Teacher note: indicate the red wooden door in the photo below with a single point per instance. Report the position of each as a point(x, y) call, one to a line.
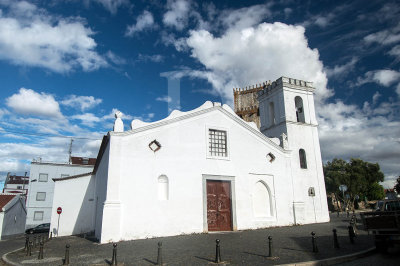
point(219, 205)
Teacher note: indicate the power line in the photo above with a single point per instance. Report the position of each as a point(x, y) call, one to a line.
point(4, 131)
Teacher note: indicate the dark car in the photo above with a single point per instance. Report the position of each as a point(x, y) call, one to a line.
point(41, 228)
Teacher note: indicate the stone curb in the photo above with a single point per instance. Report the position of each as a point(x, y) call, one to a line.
point(7, 261)
point(334, 260)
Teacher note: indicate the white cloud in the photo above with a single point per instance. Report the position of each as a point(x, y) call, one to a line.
point(395, 51)
point(87, 119)
point(29, 102)
point(42, 40)
point(3, 112)
point(384, 77)
point(113, 5)
point(398, 90)
point(81, 102)
point(143, 22)
point(238, 19)
point(341, 70)
point(385, 37)
point(153, 58)
point(177, 14)
point(170, 39)
point(115, 58)
point(288, 11)
point(376, 97)
point(12, 165)
point(250, 56)
point(164, 98)
point(321, 21)
point(324, 20)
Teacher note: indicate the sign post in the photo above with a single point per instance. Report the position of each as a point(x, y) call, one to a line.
point(343, 188)
point(59, 211)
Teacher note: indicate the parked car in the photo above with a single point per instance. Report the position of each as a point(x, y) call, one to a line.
point(41, 228)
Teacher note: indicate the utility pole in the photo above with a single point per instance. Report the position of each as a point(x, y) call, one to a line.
point(70, 150)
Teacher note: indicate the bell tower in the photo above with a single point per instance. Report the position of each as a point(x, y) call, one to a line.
point(287, 112)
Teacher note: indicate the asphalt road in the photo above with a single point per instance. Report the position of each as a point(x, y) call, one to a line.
point(10, 245)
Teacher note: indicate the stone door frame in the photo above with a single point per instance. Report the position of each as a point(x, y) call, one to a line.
point(231, 179)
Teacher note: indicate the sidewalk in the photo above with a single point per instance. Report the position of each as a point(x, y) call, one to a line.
point(291, 245)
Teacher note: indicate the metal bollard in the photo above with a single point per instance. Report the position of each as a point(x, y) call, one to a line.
point(314, 243)
point(270, 253)
point(30, 248)
point(114, 255)
point(159, 254)
point(348, 213)
point(217, 252)
point(338, 213)
point(354, 219)
point(335, 239)
point(51, 235)
point(34, 241)
point(66, 260)
point(351, 234)
point(26, 242)
point(40, 257)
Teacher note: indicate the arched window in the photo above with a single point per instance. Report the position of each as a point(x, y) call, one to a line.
point(299, 109)
point(262, 202)
point(271, 114)
point(303, 159)
point(163, 187)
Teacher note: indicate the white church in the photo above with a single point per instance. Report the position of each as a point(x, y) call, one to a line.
point(200, 171)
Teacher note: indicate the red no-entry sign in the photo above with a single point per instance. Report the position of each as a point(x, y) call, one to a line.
point(59, 210)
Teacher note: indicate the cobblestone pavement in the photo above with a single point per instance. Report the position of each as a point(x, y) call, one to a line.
point(291, 244)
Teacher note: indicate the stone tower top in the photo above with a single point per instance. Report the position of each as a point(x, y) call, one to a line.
point(246, 103)
point(288, 83)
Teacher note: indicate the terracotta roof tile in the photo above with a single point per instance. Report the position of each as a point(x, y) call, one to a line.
point(4, 199)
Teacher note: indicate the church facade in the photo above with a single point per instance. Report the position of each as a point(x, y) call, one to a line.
point(200, 171)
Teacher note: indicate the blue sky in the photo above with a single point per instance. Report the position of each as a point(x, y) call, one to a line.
point(67, 66)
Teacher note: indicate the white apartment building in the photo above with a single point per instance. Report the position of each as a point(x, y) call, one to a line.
point(16, 184)
point(41, 186)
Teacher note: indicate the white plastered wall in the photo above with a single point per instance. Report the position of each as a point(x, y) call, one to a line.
point(54, 171)
point(305, 136)
point(12, 220)
point(76, 198)
point(183, 159)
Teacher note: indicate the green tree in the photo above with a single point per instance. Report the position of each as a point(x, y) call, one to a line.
point(361, 178)
point(397, 185)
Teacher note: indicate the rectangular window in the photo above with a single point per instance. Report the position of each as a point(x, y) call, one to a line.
point(41, 196)
point(38, 216)
point(217, 143)
point(43, 177)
